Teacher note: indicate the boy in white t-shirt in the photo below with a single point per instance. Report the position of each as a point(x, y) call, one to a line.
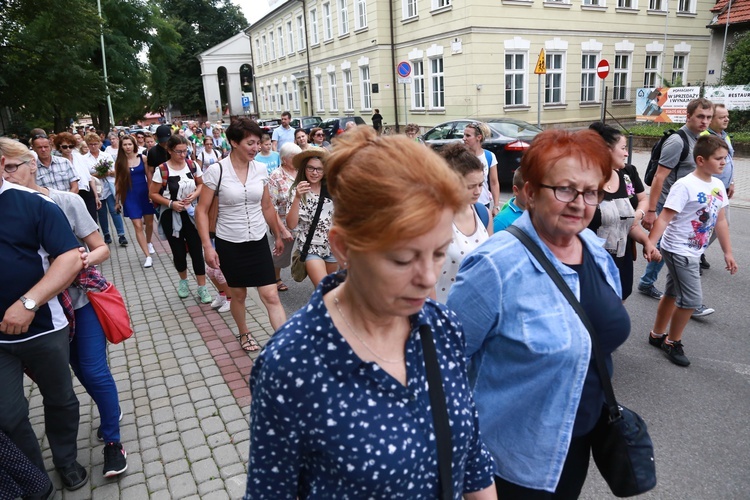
point(692, 211)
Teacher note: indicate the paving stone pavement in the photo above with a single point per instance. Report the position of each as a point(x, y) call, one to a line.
point(183, 386)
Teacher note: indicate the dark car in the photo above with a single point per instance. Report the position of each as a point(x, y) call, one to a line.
point(306, 123)
point(335, 126)
point(268, 126)
point(510, 138)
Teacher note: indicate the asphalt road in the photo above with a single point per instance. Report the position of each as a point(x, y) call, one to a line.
point(698, 417)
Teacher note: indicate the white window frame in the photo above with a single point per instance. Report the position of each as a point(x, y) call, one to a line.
point(302, 43)
point(295, 96)
point(441, 4)
point(257, 49)
point(360, 14)
point(290, 34)
point(348, 90)
point(280, 33)
point(651, 71)
point(314, 35)
point(621, 76)
point(272, 44)
point(333, 98)
point(588, 77)
point(679, 70)
point(514, 73)
point(657, 5)
point(264, 43)
point(627, 4)
point(410, 9)
point(262, 100)
point(319, 92)
point(437, 82)
point(554, 72)
point(417, 85)
point(343, 18)
point(327, 22)
point(270, 98)
point(594, 3)
point(366, 88)
point(278, 97)
point(686, 6)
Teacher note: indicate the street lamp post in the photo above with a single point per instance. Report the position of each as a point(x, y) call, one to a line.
point(724, 47)
point(104, 65)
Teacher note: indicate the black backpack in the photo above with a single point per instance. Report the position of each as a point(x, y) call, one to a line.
point(653, 162)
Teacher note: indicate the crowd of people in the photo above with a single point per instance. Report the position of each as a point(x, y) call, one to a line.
point(410, 265)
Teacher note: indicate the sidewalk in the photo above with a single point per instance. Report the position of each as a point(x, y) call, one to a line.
point(183, 387)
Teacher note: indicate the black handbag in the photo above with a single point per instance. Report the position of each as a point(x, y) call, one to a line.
point(439, 414)
point(623, 451)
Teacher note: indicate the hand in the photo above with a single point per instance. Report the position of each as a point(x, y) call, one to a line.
point(16, 320)
point(84, 257)
point(211, 257)
point(177, 206)
point(651, 253)
point(118, 207)
point(730, 191)
point(278, 246)
point(731, 264)
point(302, 188)
point(286, 235)
point(98, 204)
point(187, 200)
point(648, 220)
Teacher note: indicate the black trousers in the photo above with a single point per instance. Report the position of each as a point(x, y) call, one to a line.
point(47, 358)
point(90, 200)
point(188, 237)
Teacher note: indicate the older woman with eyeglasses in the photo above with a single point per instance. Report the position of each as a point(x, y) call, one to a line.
point(538, 393)
point(318, 138)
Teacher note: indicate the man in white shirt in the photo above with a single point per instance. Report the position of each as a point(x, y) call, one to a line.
point(284, 133)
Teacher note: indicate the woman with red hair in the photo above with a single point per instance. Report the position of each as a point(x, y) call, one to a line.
point(538, 392)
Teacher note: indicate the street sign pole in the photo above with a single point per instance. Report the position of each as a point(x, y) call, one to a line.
point(602, 70)
point(541, 69)
point(403, 69)
point(406, 108)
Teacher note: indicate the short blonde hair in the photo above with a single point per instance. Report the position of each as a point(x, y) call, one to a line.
point(387, 189)
point(11, 148)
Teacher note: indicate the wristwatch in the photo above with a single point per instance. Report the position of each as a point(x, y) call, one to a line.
point(29, 304)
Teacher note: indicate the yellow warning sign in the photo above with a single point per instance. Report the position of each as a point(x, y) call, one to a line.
point(541, 67)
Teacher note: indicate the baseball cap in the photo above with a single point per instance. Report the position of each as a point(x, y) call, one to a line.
point(163, 133)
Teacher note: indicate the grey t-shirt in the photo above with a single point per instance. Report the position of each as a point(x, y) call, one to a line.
point(670, 158)
point(82, 225)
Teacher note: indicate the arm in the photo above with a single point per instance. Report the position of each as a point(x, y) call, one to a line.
point(730, 191)
point(273, 220)
point(665, 217)
point(653, 196)
point(74, 187)
point(98, 250)
point(273, 145)
point(494, 189)
point(201, 222)
point(722, 233)
point(158, 198)
point(292, 215)
point(489, 493)
point(58, 277)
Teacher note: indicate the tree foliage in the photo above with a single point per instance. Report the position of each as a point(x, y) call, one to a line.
point(737, 61)
point(201, 24)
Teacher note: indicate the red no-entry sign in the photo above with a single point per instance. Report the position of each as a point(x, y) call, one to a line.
point(602, 69)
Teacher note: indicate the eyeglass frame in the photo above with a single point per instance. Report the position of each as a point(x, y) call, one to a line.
point(67, 146)
point(15, 167)
point(312, 170)
point(582, 194)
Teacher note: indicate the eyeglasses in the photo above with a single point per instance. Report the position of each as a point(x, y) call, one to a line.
point(12, 168)
point(319, 134)
point(567, 194)
point(314, 170)
point(67, 146)
point(180, 151)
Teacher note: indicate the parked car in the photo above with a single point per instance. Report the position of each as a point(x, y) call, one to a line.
point(510, 138)
point(268, 126)
point(335, 126)
point(307, 123)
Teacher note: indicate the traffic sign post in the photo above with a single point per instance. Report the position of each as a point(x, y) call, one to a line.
point(602, 70)
point(404, 76)
point(541, 69)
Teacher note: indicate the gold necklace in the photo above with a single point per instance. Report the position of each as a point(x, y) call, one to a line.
point(336, 303)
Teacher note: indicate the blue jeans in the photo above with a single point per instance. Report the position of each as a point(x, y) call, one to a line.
point(108, 204)
point(651, 274)
point(88, 357)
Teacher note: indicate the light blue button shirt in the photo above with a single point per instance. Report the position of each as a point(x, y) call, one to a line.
point(528, 352)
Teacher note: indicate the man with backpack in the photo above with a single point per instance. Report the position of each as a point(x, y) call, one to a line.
point(675, 162)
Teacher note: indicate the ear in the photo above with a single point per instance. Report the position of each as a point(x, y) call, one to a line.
point(530, 194)
point(339, 247)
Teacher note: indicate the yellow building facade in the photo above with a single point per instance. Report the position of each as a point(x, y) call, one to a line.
point(473, 58)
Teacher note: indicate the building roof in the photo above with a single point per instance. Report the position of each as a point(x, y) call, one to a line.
point(739, 14)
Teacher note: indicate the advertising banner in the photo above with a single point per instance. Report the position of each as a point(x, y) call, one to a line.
point(733, 97)
point(664, 105)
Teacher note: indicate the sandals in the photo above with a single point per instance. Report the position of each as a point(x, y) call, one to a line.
point(249, 344)
point(280, 286)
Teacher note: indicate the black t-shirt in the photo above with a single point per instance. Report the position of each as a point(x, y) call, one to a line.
point(612, 325)
point(156, 156)
point(377, 120)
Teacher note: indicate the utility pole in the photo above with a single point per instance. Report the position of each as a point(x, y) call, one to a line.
point(104, 65)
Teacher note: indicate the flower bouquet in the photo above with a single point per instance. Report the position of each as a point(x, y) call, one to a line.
point(103, 167)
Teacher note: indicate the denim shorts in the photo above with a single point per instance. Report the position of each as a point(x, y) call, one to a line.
point(683, 280)
point(328, 258)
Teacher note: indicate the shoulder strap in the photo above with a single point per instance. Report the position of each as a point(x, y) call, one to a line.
point(483, 213)
point(164, 174)
point(191, 166)
point(609, 393)
point(314, 223)
point(440, 421)
point(488, 157)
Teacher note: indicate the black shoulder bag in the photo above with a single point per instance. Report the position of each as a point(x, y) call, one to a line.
point(299, 273)
point(439, 414)
point(623, 452)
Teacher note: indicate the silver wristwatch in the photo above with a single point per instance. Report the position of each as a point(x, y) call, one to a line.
point(29, 304)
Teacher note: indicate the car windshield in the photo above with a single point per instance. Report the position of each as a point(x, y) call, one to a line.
point(515, 129)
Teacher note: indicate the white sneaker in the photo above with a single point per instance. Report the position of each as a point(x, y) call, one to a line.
point(149, 262)
point(226, 306)
point(218, 302)
point(151, 249)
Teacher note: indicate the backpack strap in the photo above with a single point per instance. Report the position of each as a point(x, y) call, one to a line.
point(164, 170)
point(483, 213)
point(685, 150)
point(488, 157)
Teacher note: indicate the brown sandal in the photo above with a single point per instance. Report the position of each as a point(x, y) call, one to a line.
point(249, 344)
point(280, 286)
